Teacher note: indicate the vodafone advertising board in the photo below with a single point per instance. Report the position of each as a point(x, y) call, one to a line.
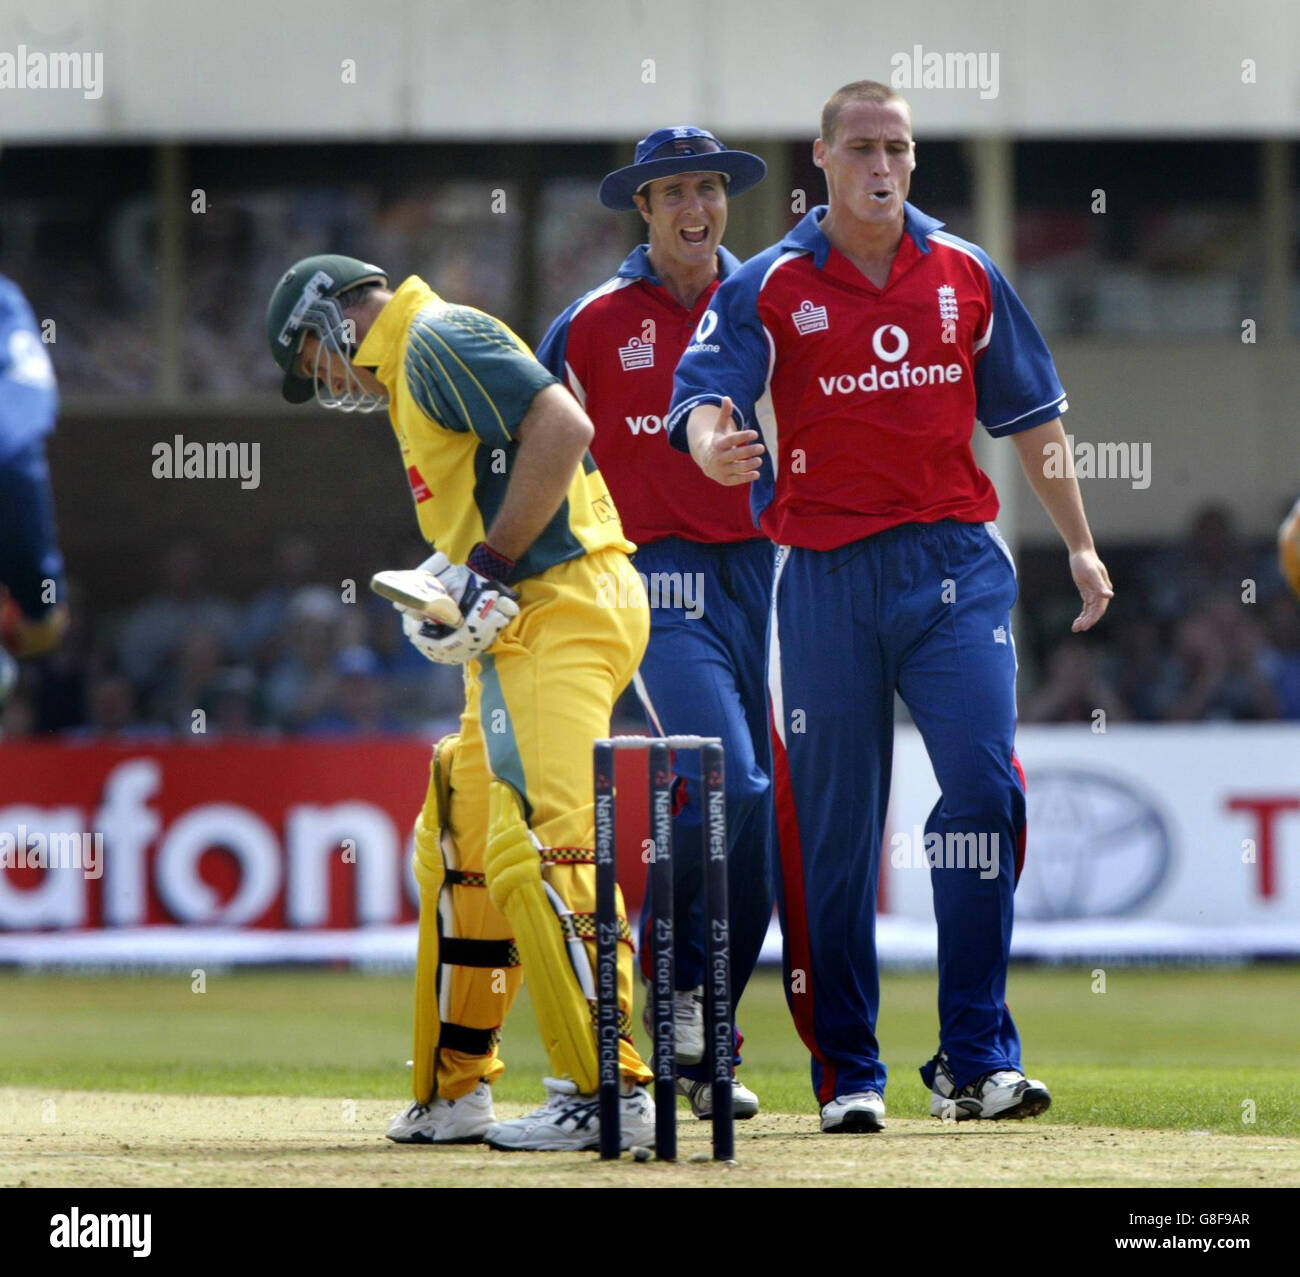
point(1144, 842)
point(108, 849)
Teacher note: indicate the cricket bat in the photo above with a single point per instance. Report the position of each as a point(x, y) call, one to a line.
point(420, 591)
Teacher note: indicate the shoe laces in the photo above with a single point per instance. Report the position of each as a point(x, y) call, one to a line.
point(998, 1077)
point(564, 1104)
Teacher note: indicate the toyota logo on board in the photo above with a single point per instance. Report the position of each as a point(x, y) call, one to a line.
point(1097, 847)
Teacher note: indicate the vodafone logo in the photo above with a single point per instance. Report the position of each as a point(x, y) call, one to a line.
point(702, 334)
point(280, 857)
point(890, 343)
point(647, 424)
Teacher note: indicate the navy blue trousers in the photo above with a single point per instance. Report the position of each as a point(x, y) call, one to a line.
point(924, 610)
point(702, 674)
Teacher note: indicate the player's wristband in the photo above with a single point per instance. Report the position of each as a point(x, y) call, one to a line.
point(487, 562)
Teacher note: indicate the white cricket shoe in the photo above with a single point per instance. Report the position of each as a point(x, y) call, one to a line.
point(744, 1103)
point(569, 1122)
point(1003, 1093)
point(862, 1113)
point(462, 1121)
point(688, 1022)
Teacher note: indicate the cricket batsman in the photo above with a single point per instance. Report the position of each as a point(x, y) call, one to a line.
point(523, 529)
point(841, 373)
point(32, 615)
point(708, 568)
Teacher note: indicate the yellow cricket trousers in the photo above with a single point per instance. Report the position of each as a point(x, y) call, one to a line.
point(533, 706)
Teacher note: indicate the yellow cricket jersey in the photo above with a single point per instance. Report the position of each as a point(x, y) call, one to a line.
point(459, 383)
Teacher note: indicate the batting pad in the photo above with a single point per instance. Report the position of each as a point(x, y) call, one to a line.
point(514, 878)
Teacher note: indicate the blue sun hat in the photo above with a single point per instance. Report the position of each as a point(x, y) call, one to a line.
point(683, 149)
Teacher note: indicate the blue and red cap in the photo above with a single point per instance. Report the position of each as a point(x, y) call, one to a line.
point(682, 149)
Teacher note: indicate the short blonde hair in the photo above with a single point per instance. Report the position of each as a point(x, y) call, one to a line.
point(858, 91)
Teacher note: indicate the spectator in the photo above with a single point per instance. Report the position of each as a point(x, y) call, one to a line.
point(113, 713)
point(360, 706)
point(1076, 688)
point(302, 684)
point(152, 633)
point(112, 705)
point(263, 622)
point(1145, 673)
point(198, 659)
point(230, 702)
point(1211, 563)
point(1224, 657)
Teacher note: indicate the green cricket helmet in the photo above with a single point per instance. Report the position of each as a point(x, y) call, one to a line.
point(304, 302)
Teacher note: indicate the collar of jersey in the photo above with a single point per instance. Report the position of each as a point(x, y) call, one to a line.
point(807, 237)
point(636, 265)
point(381, 348)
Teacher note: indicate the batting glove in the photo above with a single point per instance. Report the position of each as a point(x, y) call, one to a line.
point(486, 604)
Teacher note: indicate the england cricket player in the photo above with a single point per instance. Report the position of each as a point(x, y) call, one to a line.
point(32, 614)
point(523, 530)
point(707, 569)
point(862, 348)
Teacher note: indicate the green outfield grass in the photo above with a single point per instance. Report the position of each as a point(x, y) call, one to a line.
point(1179, 1049)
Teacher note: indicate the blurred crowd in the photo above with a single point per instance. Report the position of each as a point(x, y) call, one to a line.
point(1203, 630)
point(298, 657)
point(99, 284)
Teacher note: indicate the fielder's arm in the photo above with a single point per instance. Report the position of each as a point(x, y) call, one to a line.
point(727, 455)
point(553, 438)
point(1061, 499)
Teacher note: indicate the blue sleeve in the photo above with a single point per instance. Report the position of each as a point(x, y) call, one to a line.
point(550, 354)
point(1016, 385)
point(29, 399)
point(728, 356)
